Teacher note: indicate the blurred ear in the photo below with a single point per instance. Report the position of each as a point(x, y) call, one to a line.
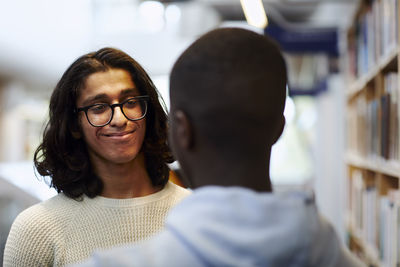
point(183, 130)
point(75, 131)
point(282, 127)
point(76, 134)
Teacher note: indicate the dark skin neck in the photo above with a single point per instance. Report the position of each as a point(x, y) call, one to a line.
point(234, 170)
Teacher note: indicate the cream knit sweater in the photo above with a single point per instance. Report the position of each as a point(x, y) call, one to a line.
point(62, 231)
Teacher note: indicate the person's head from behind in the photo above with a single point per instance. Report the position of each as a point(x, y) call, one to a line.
point(227, 93)
point(105, 108)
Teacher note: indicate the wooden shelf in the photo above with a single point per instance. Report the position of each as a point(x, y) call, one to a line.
point(387, 61)
point(380, 165)
point(372, 119)
point(371, 253)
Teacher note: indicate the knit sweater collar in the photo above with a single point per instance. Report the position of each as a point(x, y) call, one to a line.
point(129, 202)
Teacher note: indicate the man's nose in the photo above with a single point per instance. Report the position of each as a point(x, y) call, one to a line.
point(118, 118)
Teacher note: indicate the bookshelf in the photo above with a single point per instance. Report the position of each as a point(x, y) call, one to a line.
point(373, 146)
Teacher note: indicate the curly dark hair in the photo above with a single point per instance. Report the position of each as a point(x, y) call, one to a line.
point(65, 159)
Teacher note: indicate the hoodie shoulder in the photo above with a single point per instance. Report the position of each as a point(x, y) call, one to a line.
point(237, 226)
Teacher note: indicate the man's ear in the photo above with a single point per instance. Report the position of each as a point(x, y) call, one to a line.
point(75, 131)
point(183, 130)
point(282, 127)
point(76, 134)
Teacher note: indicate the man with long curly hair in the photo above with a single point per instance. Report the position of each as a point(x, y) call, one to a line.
point(105, 151)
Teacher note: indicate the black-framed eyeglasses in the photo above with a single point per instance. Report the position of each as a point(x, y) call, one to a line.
point(99, 115)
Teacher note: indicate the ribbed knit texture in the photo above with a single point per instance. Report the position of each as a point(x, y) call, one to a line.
point(62, 231)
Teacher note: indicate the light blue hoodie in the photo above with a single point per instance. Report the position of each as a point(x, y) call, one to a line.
point(233, 226)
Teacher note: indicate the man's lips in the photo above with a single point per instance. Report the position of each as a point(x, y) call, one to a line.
point(118, 135)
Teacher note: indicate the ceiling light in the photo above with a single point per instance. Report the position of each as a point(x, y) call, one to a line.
point(254, 13)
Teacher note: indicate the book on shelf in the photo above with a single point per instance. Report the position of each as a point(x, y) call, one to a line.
point(373, 121)
point(390, 81)
point(389, 228)
point(369, 198)
point(375, 218)
point(373, 125)
point(375, 35)
point(356, 204)
point(384, 119)
point(357, 136)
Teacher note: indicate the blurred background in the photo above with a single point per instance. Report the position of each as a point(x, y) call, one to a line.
point(40, 39)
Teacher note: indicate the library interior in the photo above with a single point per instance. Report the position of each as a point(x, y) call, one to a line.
point(341, 138)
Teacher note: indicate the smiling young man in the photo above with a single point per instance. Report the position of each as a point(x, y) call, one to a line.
point(114, 151)
point(105, 151)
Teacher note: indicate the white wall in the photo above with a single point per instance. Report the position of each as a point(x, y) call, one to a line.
point(329, 154)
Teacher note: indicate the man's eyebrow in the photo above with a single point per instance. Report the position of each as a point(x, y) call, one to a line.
point(129, 91)
point(124, 92)
point(95, 98)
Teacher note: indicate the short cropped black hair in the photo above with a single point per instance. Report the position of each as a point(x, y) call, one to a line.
point(65, 159)
point(231, 83)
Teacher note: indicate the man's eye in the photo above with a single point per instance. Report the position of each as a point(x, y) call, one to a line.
point(98, 108)
point(130, 103)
